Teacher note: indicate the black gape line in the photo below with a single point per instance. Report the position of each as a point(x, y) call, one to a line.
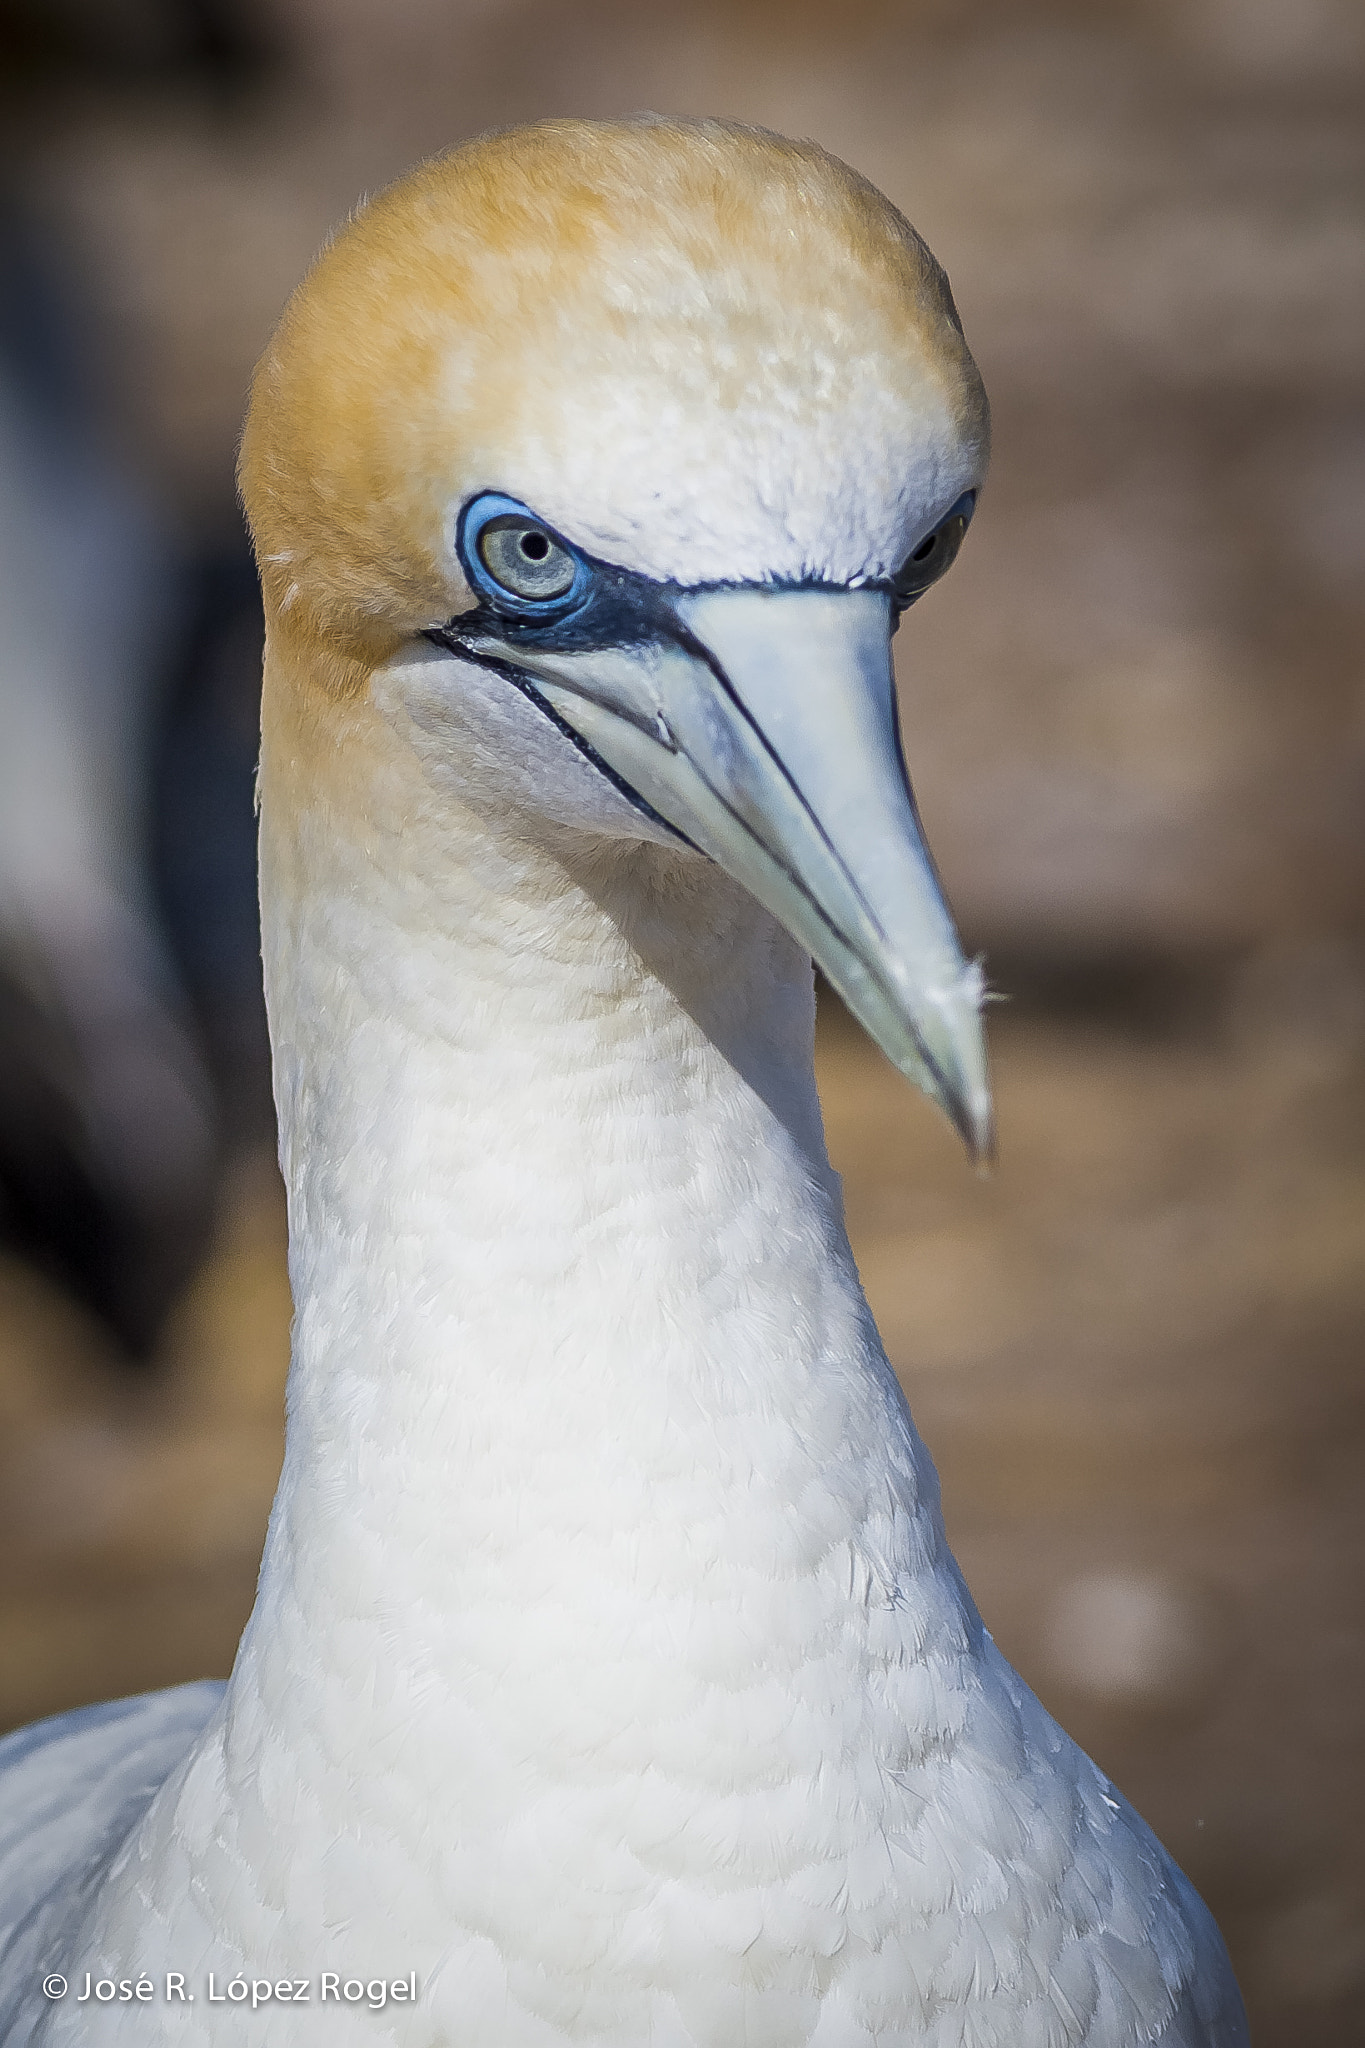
point(455, 642)
point(453, 638)
point(602, 605)
point(510, 557)
point(702, 653)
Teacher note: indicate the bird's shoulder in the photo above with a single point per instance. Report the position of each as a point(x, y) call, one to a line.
point(1138, 1955)
point(72, 1788)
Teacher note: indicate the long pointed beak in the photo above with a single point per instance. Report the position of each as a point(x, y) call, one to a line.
point(767, 734)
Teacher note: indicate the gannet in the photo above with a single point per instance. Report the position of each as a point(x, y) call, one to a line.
point(610, 1680)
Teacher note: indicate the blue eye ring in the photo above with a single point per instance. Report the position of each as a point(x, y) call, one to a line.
point(935, 554)
point(476, 517)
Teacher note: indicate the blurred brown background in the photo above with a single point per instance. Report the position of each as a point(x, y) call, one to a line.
point(1136, 718)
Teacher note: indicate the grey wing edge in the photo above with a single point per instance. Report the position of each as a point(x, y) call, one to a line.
point(1210, 2012)
point(72, 1788)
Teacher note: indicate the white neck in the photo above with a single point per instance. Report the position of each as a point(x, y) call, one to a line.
point(602, 1519)
point(572, 1286)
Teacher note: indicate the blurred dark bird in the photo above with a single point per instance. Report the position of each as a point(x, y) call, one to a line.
point(106, 1130)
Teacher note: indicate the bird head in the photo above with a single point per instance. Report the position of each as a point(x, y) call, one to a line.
point(652, 430)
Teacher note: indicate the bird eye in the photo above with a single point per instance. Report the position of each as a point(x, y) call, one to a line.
point(525, 560)
point(935, 553)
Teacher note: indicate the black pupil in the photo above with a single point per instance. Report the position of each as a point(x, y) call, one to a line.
point(925, 548)
point(534, 546)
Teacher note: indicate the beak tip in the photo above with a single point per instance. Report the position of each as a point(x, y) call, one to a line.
point(982, 1144)
point(956, 1060)
point(973, 1116)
